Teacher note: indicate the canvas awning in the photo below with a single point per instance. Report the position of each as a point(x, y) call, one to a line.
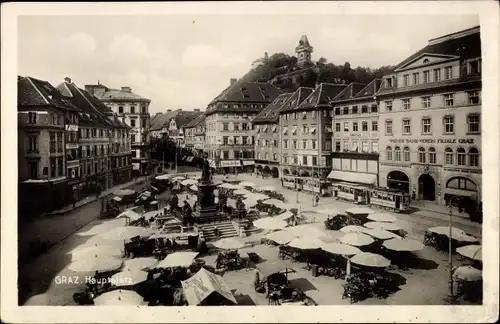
point(294, 130)
point(203, 285)
point(129, 214)
point(274, 128)
point(246, 162)
point(365, 178)
point(265, 129)
point(460, 192)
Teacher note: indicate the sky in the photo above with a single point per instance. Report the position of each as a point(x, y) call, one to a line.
point(184, 61)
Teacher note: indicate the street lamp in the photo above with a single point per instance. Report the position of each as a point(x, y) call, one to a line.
point(451, 296)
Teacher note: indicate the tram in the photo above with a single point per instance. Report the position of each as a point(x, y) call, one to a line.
point(392, 199)
point(350, 192)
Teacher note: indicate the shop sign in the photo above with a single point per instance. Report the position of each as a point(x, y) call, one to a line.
point(136, 166)
point(462, 170)
point(248, 162)
point(71, 128)
point(228, 164)
point(432, 140)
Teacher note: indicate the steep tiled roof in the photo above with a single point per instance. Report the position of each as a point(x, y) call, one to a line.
point(93, 110)
point(114, 94)
point(350, 91)
point(154, 118)
point(296, 99)
point(195, 122)
point(370, 90)
point(35, 92)
point(270, 114)
point(322, 95)
point(185, 117)
point(182, 118)
point(248, 92)
point(160, 121)
point(466, 44)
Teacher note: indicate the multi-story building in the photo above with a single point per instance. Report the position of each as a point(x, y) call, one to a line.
point(355, 134)
point(430, 119)
point(307, 134)
point(132, 110)
point(194, 134)
point(267, 137)
point(104, 144)
point(228, 138)
point(42, 169)
point(171, 125)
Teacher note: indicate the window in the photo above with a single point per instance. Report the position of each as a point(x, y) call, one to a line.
point(132, 109)
point(305, 129)
point(448, 100)
point(33, 169)
point(426, 125)
point(314, 160)
point(388, 82)
point(406, 126)
point(346, 111)
point(132, 122)
point(406, 104)
point(337, 111)
point(313, 144)
point(437, 75)
point(337, 146)
point(52, 142)
point(346, 145)
point(426, 102)
point(32, 143)
point(474, 123)
point(416, 78)
point(406, 80)
point(374, 108)
point(354, 109)
point(388, 127)
point(397, 154)
point(337, 127)
point(285, 144)
point(295, 160)
point(374, 126)
point(304, 160)
point(295, 116)
point(448, 156)
point(304, 144)
point(421, 155)
point(406, 154)
point(275, 157)
point(449, 124)
point(294, 144)
point(473, 67)
point(388, 152)
point(54, 119)
point(354, 126)
point(448, 73)
point(120, 110)
point(432, 155)
point(473, 97)
point(473, 157)
point(426, 76)
point(53, 167)
point(375, 147)
point(346, 126)
point(461, 158)
point(364, 126)
point(225, 127)
point(275, 143)
point(354, 146)
point(266, 156)
point(32, 118)
point(225, 155)
point(388, 105)
point(461, 183)
point(364, 146)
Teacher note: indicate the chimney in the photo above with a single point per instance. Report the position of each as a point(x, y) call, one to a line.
point(169, 110)
point(179, 109)
point(127, 89)
point(68, 80)
point(232, 81)
point(266, 56)
point(158, 113)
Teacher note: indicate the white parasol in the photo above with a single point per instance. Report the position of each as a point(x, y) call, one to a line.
point(103, 227)
point(95, 264)
point(353, 229)
point(269, 223)
point(280, 237)
point(119, 298)
point(247, 184)
point(102, 251)
point(384, 226)
point(370, 260)
point(473, 252)
point(305, 230)
point(306, 242)
point(360, 211)
point(340, 249)
point(266, 188)
point(128, 278)
point(331, 211)
point(163, 177)
point(130, 214)
point(188, 182)
point(456, 233)
point(250, 202)
point(382, 217)
point(257, 196)
point(177, 259)
point(381, 234)
point(125, 233)
point(406, 245)
point(242, 192)
point(231, 202)
point(356, 239)
point(194, 187)
point(284, 216)
point(137, 264)
point(124, 192)
point(229, 243)
point(468, 273)
point(331, 236)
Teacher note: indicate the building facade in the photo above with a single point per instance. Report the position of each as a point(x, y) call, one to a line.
point(229, 140)
point(356, 134)
point(133, 110)
point(430, 119)
point(42, 166)
point(267, 137)
point(194, 135)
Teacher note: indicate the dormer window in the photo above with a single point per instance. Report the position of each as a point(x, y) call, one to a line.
point(474, 67)
point(425, 61)
point(388, 82)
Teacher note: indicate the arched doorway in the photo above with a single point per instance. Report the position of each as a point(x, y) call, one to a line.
point(427, 187)
point(275, 173)
point(286, 172)
point(398, 180)
point(266, 170)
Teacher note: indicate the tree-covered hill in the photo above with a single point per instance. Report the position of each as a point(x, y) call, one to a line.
point(282, 70)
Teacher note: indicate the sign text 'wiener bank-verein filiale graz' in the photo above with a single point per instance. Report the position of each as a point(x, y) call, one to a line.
point(432, 140)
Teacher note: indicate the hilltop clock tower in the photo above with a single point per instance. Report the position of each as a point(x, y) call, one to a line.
point(303, 50)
